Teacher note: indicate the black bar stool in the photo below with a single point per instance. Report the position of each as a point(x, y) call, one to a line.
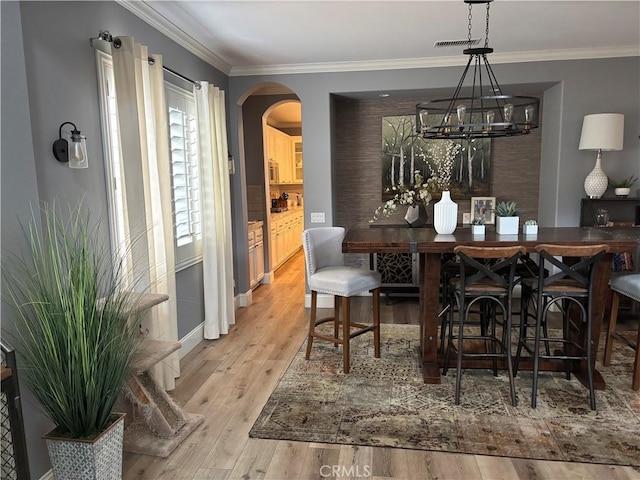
point(566, 285)
point(490, 286)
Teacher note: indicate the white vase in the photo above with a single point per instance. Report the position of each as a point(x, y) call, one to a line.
point(445, 214)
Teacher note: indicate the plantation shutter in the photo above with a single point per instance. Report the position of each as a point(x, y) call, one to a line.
point(185, 172)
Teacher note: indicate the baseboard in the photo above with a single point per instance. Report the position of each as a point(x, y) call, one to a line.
point(191, 339)
point(268, 277)
point(245, 299)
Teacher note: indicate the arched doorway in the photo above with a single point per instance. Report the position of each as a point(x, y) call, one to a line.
point(272, 140)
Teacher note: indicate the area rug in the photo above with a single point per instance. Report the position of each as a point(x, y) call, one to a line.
point(383, 402)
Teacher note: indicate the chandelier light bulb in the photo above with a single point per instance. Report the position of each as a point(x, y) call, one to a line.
point(461, 110)
point(423, 119)
point(528, 114)
point(508, 112)
point(490, 117)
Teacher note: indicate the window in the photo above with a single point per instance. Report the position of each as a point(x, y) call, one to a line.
point(185, 169)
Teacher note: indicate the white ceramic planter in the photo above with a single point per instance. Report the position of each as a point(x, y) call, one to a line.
point(622, 192)
point(507, 225)
point(478, 229)
point(530, 229)
point(445, 214)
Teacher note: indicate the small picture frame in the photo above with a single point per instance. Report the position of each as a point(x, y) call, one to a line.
point(482, 207)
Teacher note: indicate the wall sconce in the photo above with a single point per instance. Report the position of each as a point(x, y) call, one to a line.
point(74, 154)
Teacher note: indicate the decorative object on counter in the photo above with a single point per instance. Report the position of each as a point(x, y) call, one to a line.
point(530, 227)
point(508, 218)
point(478, 226)
point(483, 207)
point(623, 187)
point(445, 212)
point(602, 217)
point(419, 193)
point(416, 216)
point(76, 332)
point(477, 114)
point(600, 131)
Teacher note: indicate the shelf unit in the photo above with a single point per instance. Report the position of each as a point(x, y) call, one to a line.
point(621, 211)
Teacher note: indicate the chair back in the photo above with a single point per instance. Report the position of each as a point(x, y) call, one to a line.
point(494, 265)
point(569, 277)
point(322, 248)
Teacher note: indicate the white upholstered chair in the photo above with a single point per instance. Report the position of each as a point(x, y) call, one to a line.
point(327, 274)
point(627, 285)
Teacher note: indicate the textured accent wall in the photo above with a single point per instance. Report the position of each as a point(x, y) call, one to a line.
point(357, 166)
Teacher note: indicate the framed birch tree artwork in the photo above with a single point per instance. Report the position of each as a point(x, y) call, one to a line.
point(404, 151)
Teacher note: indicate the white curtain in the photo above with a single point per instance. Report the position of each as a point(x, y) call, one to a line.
point(217, 247)
point(144, 140)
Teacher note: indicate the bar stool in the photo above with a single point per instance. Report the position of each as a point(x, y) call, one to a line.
point(627, 285)
point(570, 284)
point(486, 280)
point(326, 273)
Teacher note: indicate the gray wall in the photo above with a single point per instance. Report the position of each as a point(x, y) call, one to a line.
point(580, 87)
point(49, 77)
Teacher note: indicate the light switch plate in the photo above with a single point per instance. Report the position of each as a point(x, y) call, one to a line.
point(317, 217)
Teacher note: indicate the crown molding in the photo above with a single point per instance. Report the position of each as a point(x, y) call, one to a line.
point(146, 13)
point(449, 61)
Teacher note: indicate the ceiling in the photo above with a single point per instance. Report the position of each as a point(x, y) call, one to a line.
point(274, 37)
point(262, 37)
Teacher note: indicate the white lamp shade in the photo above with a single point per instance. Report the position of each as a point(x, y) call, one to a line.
point(602, 131)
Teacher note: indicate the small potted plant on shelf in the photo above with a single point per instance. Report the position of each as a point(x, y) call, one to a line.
point(530, 227)
point(478, 226)
point(623, 187)
point(507, 218)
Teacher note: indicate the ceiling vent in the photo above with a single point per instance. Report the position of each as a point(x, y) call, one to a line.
point(456, 43)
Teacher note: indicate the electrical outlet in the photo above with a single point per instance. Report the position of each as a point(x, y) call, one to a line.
point(317, 217)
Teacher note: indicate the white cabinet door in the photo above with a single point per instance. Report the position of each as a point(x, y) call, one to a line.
point(259, 256)
point(297, 159)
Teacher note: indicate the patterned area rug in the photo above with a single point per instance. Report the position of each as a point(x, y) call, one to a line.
point(383, 402)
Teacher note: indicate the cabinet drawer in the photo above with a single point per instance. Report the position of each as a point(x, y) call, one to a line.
point(258, 236)
point(252, 238)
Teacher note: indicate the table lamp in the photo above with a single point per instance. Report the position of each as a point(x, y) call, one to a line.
point(600, 131)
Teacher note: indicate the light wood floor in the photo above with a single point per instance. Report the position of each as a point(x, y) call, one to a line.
point(230, 379)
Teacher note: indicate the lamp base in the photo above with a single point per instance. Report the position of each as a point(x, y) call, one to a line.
point(596, 182)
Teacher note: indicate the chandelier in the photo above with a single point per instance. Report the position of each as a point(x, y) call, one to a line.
point(488, 112)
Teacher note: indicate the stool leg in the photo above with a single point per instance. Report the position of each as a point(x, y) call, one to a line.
point(312, 322)
point(613, 319)
point(461, 314)
point(336, 318)
point(376, 323)
point(635, 385)
point(346, 331)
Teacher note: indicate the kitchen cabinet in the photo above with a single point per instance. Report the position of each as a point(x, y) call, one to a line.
point(297, 160)
point(281, 155)
point(256, 254)
point(286, 236)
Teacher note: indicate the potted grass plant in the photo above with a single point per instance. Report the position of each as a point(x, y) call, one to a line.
point(74, 336)
point(623, 187)
point(507, 218)
point(478, 226)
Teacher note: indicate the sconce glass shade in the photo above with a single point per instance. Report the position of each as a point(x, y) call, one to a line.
point(71, 147)
point(601, 131)
point(78, 152)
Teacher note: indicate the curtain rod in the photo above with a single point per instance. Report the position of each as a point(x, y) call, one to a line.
point(106, 36)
